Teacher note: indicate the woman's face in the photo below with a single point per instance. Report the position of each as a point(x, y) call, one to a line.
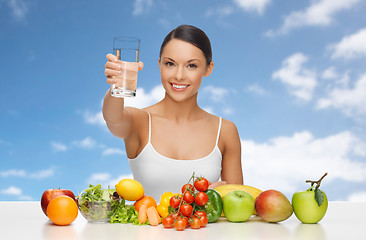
point(182, 67)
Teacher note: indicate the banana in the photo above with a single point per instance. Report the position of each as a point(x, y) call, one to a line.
point(226, 188)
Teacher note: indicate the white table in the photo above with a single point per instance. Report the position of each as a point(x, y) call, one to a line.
point(25, 220)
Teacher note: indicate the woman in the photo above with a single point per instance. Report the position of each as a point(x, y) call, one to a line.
point(168, 141)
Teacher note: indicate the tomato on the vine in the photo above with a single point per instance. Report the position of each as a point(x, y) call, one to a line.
point(204, 220)
point(201, 184)
point(201, 198)
point(195, 223)
point(188, 197)
point(200, 213)
point(180, 224)
point(189, 188)
point(186, 209)
point(175, 201)
point(168, 222)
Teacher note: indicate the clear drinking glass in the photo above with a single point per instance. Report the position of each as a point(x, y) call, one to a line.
point(127, 51)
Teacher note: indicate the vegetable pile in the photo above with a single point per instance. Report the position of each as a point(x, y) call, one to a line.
point(196, 207)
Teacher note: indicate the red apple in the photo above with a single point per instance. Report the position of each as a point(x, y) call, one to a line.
point(50, 194)
point(273, 206)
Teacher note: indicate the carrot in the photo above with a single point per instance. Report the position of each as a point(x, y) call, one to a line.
point(143, 214)
point(153, 216)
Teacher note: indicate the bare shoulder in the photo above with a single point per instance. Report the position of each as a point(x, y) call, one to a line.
point(228, 127)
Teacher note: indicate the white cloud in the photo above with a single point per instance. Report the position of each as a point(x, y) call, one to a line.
point(22, 173)
point(216, 94)
point(112, 151)
point(87, 143)
point(357, 197)
point(290, 160)
point(42, 174)
point(258, 6)
point(94, 118)
point(19, 9)
point(319, 13)
point(255, 88)
point(219, 12)
point(12, 191)
point(58, 147)
point(143, 99)
point(349, 47)
point(106, 180)
point(330, 73)
point(299, 80)
point(13, 173)
point(350, 101)
point(142, 6)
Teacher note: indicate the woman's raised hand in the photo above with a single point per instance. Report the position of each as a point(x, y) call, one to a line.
point(114, 68)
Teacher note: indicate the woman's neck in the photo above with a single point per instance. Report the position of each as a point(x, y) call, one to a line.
point(180, 111)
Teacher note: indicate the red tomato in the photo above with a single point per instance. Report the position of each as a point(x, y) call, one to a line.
point(180, 224)
point(168, 222)
point(201, 184)
point(187, 186)
point(195, 223)
point(200, 213)
point(204, 221)
point(175, 201)
point(188, 197)
point(186, 210)
point(201, 198)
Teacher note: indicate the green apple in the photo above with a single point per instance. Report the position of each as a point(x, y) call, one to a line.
point(311, 205)
point(306, 207)
point(238, 206)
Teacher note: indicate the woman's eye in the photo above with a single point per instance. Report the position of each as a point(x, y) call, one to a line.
point(193, 66)
point(169, 64)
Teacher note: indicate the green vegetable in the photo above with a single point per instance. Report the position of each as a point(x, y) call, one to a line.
point(126, 214)
point(213, 207)
point(97, 204)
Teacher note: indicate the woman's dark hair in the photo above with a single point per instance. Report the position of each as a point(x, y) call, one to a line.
point(191, 35)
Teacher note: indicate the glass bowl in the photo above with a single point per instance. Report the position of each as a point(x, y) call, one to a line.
point(98, 211)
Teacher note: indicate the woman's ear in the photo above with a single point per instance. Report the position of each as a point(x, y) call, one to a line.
point(209, 69)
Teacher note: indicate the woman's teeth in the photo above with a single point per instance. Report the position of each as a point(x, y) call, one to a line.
point(179, 86)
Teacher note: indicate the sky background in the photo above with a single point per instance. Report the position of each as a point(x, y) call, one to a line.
point(290, 74)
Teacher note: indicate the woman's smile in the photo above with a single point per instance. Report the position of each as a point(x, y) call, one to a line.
point(179, 87)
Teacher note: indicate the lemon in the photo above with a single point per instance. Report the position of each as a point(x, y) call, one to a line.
point(130, 189)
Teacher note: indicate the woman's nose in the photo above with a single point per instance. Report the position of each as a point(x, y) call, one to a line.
point(180, 74)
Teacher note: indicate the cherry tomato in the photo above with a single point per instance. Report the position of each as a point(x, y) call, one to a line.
point(195, 223)
point(200, 213)
point(201, 184)
point(180, 224)
point(168, 222)
point(201, 198)
point(204, 221)
point(189, 186)
point(175, 201)
point(188, 197)
point(186, 210)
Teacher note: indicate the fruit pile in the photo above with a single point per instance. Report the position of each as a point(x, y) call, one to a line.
point(194, 207)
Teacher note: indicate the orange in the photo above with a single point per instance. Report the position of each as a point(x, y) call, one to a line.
point(145, 200)
point(62, 210)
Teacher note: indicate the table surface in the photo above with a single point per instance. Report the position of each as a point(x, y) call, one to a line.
point(25, 220)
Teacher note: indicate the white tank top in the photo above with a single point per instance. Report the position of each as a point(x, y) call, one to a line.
point(159, 174)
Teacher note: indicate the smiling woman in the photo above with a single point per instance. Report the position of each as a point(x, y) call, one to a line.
point(169, 140)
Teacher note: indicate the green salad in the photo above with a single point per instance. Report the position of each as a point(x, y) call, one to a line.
point(103, 205)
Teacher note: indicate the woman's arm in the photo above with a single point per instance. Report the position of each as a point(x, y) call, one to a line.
point(117, 117)
point(231, 171)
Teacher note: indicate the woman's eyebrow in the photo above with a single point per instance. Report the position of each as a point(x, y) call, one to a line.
point(191, 60)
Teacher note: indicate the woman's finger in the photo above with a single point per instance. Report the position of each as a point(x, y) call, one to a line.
point(111, 72)
point(141, 66)
point(111, 57)
point(112, 65)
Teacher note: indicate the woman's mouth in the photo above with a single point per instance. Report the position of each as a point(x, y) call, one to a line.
point(179, 87)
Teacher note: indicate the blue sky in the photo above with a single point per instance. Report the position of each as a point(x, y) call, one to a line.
point(290, 74)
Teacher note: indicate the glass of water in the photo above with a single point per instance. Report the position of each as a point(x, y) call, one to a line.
point(127, 51)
